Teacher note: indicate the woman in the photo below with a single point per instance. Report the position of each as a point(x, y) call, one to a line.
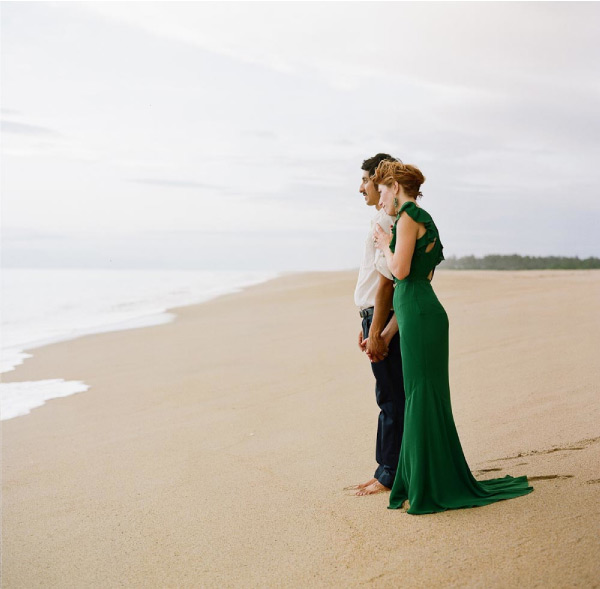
point(432, 472)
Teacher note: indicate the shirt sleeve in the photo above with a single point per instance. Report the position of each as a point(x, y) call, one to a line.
point(381, 265)
point(380, 261)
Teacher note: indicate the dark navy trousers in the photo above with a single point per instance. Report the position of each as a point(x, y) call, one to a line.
point(389, 393)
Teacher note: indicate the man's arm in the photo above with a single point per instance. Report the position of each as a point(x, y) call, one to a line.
point(377, 346)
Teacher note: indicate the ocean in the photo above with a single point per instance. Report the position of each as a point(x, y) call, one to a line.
point(43, 306)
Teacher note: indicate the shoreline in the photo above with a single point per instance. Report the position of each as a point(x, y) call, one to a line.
point(172, 312)
point(36, 393)
point(142, 317)
point(213, 450)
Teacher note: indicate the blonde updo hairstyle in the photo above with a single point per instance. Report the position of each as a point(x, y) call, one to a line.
point(407, 176)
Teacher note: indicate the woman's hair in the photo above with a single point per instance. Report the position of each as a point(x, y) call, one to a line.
point(409, 177)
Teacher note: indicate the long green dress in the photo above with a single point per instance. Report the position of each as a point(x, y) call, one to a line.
point(432, 471)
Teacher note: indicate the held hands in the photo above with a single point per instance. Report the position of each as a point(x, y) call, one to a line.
point(376, 348)
point(381, 239)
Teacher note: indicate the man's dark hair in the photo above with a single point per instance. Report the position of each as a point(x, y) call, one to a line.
point(371, 164)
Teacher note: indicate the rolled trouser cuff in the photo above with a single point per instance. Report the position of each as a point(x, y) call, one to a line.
point(385, 475)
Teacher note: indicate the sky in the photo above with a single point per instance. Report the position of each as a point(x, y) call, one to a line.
point(230, 135)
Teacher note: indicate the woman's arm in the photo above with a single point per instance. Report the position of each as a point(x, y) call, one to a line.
point(391, 329)
point(406, 237)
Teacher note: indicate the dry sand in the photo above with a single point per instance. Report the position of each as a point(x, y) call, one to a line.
point(213, 451)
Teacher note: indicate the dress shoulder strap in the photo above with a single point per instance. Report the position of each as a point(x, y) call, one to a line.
point(415, 212)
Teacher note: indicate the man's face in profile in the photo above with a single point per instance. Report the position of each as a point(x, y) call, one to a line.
point(368, 189)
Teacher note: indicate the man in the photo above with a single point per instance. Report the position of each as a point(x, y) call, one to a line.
point(379, 339)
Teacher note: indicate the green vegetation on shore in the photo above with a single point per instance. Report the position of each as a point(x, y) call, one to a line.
point(516, 262)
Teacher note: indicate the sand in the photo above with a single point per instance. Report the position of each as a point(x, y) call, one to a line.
point(213, 451)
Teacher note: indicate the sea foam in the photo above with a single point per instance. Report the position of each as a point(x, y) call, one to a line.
point(19, 398)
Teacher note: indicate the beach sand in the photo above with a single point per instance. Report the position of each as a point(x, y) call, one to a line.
point(213, 451)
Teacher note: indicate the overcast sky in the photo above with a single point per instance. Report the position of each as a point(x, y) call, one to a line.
point(206, 134)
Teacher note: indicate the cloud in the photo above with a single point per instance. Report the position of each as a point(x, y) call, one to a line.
point(173, 183)
point(267, 110)
point(26, 129)
point(439, 44)
point(260, 134)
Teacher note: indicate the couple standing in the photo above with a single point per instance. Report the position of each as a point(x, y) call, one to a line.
point(405, 336)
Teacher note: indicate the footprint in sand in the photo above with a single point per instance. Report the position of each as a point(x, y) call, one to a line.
point(583, 444)
point(550, 476)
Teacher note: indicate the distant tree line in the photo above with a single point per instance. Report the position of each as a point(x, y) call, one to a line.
point(516, 262)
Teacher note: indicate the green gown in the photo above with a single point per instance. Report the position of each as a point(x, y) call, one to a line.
point(432, 471)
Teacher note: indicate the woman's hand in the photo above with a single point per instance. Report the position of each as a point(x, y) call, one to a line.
point(381, 239)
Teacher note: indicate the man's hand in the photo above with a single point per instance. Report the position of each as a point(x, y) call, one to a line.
point(362, 343)
point(376, 348)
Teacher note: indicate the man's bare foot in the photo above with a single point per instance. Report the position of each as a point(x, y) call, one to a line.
point(373, 489)
point(361, 486)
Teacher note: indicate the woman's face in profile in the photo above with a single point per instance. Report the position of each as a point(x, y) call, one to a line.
point(386, 199)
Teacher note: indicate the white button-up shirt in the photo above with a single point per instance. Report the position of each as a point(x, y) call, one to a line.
point(373, 264)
